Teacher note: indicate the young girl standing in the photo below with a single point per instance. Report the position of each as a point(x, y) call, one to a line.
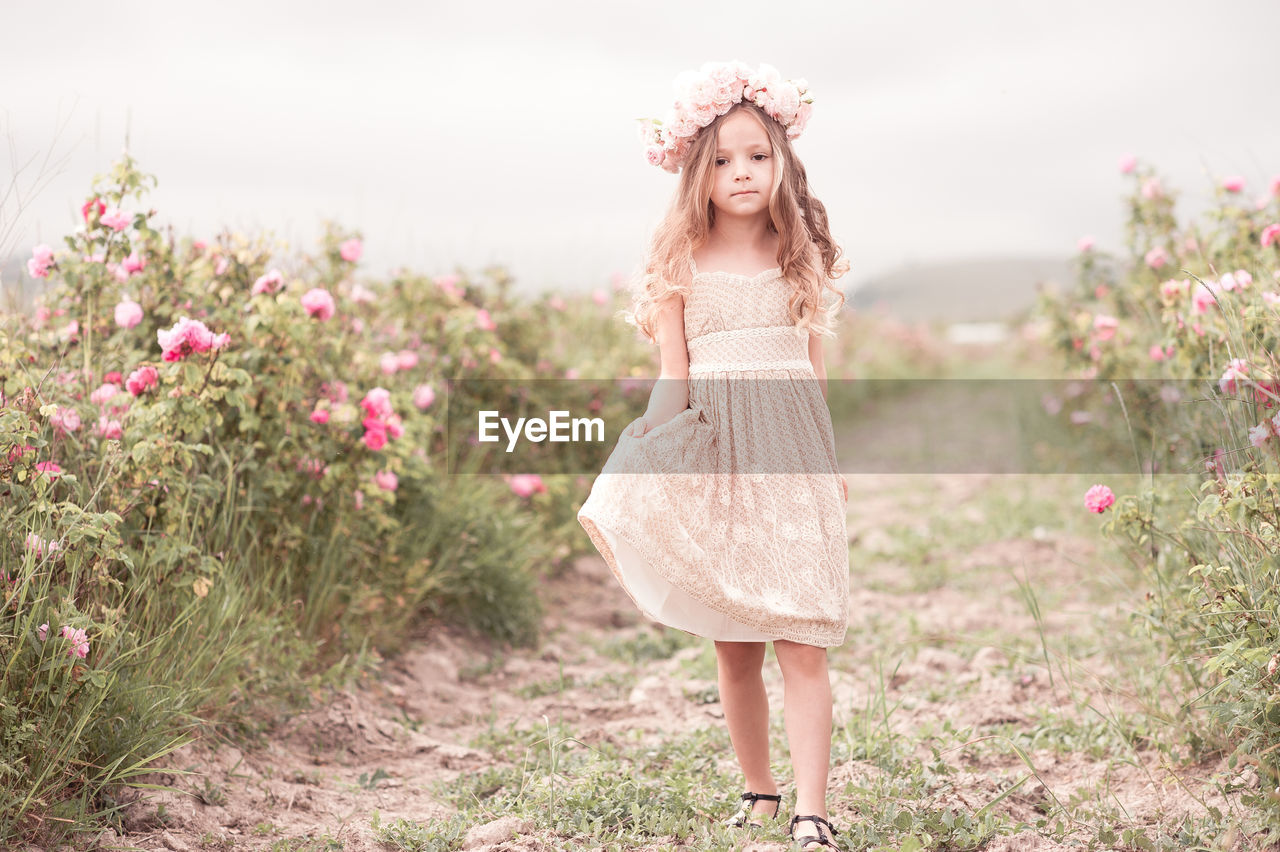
point(722, 511)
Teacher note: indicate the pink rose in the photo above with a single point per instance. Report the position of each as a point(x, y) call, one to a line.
point(1235, 183)
point(41, 260)
point(407, 359)
point(134, 262)
point(377, 402)
point(79, 642)
point(1237, 368)
point(1104, 327)
point(50, 468)
point(320, 415)
point(221, 265)
point(104, 393)
point(188, 336)
point(1202, 299)
point(527, 484)
point(361, 295)
point(423, 396)
point(1155, 352)
point(65, 421)
point(556, 303)
point(115, 219)
point(267, 283)
point(109, 429)
point(389, 363)
point(375, 435)
point(386, 480)
point(1127, 164)
point(142, 380)
point(92, 204)
point(1270, 234)
point(484, 322)
point(1085, 243)
point(599, 296)
point(318, 303)
point(1259, 435)
point(351, 250)
point(1151, 189)
point(1098, 498)
point(128, 313)
point(1157, 257)
point(449, 284)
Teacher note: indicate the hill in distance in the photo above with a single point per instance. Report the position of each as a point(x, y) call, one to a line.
point(972, 290)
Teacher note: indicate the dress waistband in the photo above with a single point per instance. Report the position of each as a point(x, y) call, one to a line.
point(778, 347)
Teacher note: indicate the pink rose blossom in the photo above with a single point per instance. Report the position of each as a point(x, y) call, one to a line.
point(1155, 352)
point(134, 262)
point(320, 415)
point(423, 396)
point(39, 546)
point(1243, 278)
point(104, 393)
point(527, 484)
point(1235, 183)
point(1151, 189)
point(115, 219)
point(1260, 434)
point(1098, 498)
point(188, 336)
point(407, 359)
point(109, 429)
point(599, 296)
point(128, 314)
point(1157, 257)
point(335, 391)
point(351, 250)
point(375, 435)
point(395, 426)
point(1270, 234)
point(318, 303)
point(79, 642)
point(1271, 297)
point(484, 322)
point(1237, 369)
point(41, 260)
point(1104, 327)
point(571, 373)
point(1127, 164)
point(221, 265)
point(1203, 298)
point(91, 204)
point(389, 363)
point(494, 355)
point(267, 283)
point(142, 380)
point(362, 295)
point(65, 421)
point(50, 468)
point(377, 402)
point(449, 284)
point(1085, 243)
point(386, 480)
point(556, 303)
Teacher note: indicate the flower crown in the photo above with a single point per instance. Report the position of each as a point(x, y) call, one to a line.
point(703, 95)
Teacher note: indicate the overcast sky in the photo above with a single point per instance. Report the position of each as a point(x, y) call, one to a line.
point(503, 132)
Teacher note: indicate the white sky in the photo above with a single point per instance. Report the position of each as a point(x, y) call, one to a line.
point(503, 131)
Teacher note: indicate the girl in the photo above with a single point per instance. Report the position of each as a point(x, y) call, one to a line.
point(721, 510)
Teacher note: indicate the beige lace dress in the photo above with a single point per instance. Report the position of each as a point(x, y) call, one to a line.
point(728, 521)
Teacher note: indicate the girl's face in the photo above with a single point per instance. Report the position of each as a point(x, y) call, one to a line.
point(742, 174)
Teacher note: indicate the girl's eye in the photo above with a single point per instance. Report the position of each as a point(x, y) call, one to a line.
point(759, 156)
point(720, 161)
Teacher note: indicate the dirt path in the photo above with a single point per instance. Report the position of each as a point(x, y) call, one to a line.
point(944, 653)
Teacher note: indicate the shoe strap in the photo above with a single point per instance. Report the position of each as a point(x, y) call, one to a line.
point(819, 822)
point(766, 797)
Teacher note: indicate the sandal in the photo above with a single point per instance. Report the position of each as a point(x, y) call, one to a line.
point(745, 812)
point(821, 839)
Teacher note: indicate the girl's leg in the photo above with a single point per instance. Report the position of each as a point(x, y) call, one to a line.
point(807, 711)
point(746, 713)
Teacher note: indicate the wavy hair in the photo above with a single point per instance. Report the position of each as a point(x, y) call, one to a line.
point(808, 256)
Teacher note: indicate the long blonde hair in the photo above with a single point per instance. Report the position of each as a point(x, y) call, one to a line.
point(808, 256)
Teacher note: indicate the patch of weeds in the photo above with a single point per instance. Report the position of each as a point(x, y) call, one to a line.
point(211, 794)
point(369, 782)
point(516, 744)
point(264, 829)
point(613, 796)
point(610, 685)
point(484, 666)
point(709, 694)
point(550, 686)
point(648, 645)
point(403, 834)
point(209, 840)
point(323, 843)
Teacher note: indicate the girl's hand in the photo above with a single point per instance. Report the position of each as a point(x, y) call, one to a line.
point(639, 428)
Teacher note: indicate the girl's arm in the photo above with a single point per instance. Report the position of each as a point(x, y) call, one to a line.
point(671, 392)
point(815, 357)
